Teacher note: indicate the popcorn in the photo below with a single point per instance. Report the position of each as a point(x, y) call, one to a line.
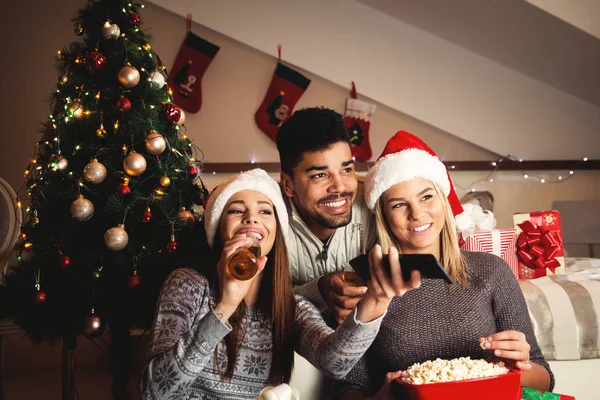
point(456, 369)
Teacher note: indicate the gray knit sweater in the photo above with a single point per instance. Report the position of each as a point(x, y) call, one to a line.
point(437, 321)
point(182, 363)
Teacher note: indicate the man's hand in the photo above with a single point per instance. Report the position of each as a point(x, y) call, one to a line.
point(340, 297)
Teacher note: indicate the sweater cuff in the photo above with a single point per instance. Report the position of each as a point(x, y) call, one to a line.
point(310, 291)
point(211, 330)
point(371, 324)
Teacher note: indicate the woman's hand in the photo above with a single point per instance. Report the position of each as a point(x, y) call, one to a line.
point(511, 347)
point(232, 290)
point(385, 392)
point(382, 287)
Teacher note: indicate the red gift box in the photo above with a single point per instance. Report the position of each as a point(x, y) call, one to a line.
point(501, 242)
point(539, 244)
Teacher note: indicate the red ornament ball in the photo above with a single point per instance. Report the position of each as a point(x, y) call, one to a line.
point(39, 297)
point(172, 246)
point(95, 61)
point(133, 281)
point(147, 216)
point(124, 189)
point(65, 261)
point(124, 104)
point(134, 19)
point(172, 112)
point(192, 171)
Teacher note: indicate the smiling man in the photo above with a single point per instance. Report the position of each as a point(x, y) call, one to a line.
point(329, 221)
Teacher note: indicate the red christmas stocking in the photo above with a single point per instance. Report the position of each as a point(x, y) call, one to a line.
point(358, 120)
point(285, 89)
point(185, 79)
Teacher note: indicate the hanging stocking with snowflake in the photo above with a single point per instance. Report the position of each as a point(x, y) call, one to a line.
point(192, 61)
point(358, 120)
point(285, 89)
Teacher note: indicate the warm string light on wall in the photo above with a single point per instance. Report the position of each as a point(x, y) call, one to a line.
point(502, 164)
point(495, 166)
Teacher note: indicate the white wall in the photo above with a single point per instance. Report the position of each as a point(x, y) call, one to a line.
point(411, 71)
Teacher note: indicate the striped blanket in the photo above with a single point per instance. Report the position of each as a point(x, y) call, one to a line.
point(565, 311)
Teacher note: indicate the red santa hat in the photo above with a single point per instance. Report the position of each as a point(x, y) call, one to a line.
point(406, 157)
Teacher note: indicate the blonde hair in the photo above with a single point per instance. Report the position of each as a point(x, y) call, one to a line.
point(450, 256)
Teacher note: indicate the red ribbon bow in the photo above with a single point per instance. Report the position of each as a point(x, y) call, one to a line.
point(537, 247)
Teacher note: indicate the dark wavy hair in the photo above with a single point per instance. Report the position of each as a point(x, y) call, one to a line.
point(276, 299)
point(309, 129)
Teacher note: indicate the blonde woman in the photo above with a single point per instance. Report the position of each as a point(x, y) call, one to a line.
point(482, 314)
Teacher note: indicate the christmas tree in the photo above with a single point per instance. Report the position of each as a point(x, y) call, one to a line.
point(109, 189)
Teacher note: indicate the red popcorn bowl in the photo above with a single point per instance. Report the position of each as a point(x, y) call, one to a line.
point(499, 387)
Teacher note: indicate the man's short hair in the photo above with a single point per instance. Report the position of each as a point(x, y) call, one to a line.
point(309, 129)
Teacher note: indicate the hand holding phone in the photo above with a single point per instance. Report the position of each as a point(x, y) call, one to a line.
point(426, 264)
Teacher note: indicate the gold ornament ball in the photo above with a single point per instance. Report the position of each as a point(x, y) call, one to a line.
point(110, 30)
point(147, 46)
point(182, 118)
point(94, 172)
point(134, 164)
point(155, 143)
point(82, 209)
point(92, 326)
point(101, 132)
point(63, 78)
point(185, 218)
point(58, 162)
point(129, 76)
point(116, 238)
point(165, 181)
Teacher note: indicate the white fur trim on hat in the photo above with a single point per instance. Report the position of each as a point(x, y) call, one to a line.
point(360, 109)
point(255, 179)
point(400, 167)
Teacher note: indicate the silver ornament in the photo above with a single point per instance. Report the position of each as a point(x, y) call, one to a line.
point(116, 238)
point(94, 172)
point(197, 211)
point(92, 326)
point(58, 162)
point(157, 79)
point(182, 118)
point(110, 30)
point(155, 143)
point(128, 76)
point(134, 164)
point(82, 209)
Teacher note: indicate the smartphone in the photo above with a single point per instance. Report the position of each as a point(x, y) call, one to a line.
point(427, 264)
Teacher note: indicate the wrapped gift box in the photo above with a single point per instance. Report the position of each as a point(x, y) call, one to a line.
point(539, 244)
point(532, 394)
point(501, 242)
